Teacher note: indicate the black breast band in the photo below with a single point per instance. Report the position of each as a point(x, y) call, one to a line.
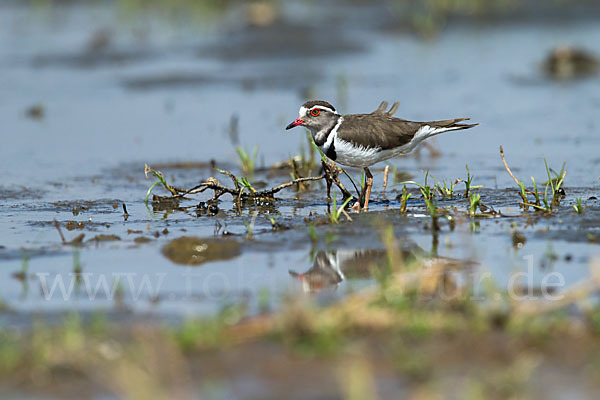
point(331, 151)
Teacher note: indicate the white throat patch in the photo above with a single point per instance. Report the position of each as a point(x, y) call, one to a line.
point(331, 137)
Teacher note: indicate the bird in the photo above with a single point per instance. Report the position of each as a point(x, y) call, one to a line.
point(361, 140)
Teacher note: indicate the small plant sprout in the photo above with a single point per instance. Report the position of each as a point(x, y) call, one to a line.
point(578, 206)
point(161, 180)
point(523, 193)
point(536, 193)
point(247, 160)
point(404, 199)
point(556, 182)
point(425, 189)
point(246, 184)
point(553, 186)
point(428, 199)
point(469, 182)
point(334, 216)
point(430, 205)
point(446, 190)
point(557, 176)
point(474, 201)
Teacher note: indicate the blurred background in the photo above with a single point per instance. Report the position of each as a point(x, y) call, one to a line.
point(88, 85)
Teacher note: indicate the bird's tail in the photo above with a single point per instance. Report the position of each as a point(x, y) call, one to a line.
point(450, 125)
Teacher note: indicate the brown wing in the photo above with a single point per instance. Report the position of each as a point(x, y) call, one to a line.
point(377, 130)
point(381, 130)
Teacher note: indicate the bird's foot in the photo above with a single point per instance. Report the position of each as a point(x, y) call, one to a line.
point(357, 208)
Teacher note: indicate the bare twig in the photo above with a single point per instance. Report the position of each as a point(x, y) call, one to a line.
point(291, 183)
point(125, 213)
point(300, 186)
point(506, 166)
point(57, 226)
point(332, 172)
point(386, 172)
point(240, 193)
point(173, 190)
point(232, 177)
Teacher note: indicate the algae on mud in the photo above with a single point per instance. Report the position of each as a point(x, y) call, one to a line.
point(188, 250)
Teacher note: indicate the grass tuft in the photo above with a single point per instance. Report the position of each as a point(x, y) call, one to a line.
point(247, 159)
point(334, 216)
point(404, 199)
point(579, 208)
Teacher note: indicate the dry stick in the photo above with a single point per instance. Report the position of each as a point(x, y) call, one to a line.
point(172, 189)
point(214, 184)
point(386, 172)
point(57, 226)
point(511, 174)
point(299, 187)
point(332, 173)
point(232, 177)
point(506, 166)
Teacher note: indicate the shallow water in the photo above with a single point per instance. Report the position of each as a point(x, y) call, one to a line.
point(162, 94)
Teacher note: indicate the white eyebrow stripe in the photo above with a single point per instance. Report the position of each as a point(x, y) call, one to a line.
point(324, 109)
point(304, 110)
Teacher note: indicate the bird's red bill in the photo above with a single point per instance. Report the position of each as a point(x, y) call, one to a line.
point(297, 122)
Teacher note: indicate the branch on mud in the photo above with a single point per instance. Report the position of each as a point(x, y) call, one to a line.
point(519, 183)
point(238, 192)
point(242, 190)
point(332, 172)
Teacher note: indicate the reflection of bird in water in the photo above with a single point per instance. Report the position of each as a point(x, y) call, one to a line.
point(324, 273)
point(330, 268)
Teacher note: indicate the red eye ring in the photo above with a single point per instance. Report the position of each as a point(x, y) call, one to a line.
point(315, 112)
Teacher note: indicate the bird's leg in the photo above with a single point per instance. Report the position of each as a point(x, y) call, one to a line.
point(368, 185)
point(357, 206)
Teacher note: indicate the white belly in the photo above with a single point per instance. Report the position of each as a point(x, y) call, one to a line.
point(359, 156)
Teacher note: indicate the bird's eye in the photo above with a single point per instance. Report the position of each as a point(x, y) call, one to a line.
point(315, 112)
